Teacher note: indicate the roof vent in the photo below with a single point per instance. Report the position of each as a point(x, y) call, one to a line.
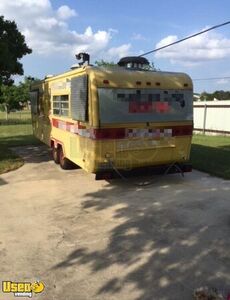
point(134, 63)
point(48, 76)
point(75, 66)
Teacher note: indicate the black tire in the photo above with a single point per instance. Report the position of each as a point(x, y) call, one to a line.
point(55, 155)
point(65, 163)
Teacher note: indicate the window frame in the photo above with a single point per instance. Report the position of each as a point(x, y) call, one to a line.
point(58, 105)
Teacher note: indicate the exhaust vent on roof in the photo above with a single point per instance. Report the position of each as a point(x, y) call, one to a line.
point(48, 76)
point(74, 66)
point(134, 62)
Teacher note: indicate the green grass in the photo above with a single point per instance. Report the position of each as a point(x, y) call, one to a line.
point(17, 135)
point(211, 154)
point(8, 160)
point(12, 135)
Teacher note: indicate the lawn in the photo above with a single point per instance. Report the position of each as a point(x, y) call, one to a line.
point(8, 160)
point(16, 132)
point(211, 154)
point(16, 135)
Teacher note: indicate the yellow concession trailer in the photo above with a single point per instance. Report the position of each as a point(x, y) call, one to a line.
point(110, 120)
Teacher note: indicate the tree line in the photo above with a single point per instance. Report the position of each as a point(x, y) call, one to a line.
point(15, 97)
point(12, 48)
point(220, 95)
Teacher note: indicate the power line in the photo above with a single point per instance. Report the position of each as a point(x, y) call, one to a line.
point(186, 38)
point(211, 78)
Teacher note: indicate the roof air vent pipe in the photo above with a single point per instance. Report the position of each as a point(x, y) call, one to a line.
point(134, 63)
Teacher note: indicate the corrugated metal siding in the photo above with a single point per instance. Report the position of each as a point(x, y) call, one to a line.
point(79, 98)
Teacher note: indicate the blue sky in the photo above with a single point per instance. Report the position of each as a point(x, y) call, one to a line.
point(108, 30)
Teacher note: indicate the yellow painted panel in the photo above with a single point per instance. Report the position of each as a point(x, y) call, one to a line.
point(93, 155)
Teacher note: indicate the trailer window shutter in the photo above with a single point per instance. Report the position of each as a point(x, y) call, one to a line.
point(34, 96)
point(79, 98)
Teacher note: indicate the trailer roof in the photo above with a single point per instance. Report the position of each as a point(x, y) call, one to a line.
point(119, 77)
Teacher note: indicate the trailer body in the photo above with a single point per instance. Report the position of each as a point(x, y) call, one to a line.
point(103, 119)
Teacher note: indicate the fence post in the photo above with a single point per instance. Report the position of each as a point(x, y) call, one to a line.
point(205, 115)
point(6, 110)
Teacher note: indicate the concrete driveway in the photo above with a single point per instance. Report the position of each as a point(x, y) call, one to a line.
point(88, 239)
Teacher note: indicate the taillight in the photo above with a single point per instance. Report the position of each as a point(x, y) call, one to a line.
point(109, 133)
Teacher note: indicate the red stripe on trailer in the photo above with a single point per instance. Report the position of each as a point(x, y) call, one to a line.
point(55, 122)
point(108, 133)
point(182, 130)
point(69, 123)
point(68, 126)
point(60, 123)
point(80, 126)
point(121, 133)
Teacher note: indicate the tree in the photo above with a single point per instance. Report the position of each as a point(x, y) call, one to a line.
point(9, 98)
point(220, 95)
point(12, 49)
point(15, 96)
point(152, 67)
point(23, 89)
point(103, 63)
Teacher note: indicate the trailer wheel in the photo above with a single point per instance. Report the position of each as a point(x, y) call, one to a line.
point(55, 154)
point(65, 163)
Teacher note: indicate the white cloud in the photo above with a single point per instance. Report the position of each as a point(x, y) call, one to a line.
point(91, 42)
point(138, 37)
point(121, 51)
point(47, 30)
point(64, 12)
point(205, 47)
point(223, 81)
point(23, 10)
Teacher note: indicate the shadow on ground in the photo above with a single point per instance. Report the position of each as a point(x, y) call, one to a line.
point(216, 161)
point(33, 153)
point(169, 238)
point(19, 140)
point(2, 182)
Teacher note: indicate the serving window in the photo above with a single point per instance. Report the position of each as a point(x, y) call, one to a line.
point(61, 105)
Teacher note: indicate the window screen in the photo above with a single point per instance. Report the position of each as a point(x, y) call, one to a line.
point(34, 96)
point(61, 105)
point(79, 98)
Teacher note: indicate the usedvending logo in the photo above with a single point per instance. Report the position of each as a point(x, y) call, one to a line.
point(23, 289)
